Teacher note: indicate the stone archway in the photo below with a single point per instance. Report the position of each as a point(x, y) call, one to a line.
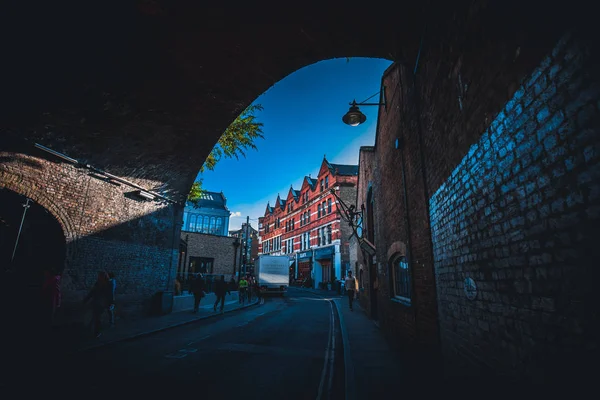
point(25, 256)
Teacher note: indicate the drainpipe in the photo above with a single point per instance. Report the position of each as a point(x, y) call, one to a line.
point(423, 169)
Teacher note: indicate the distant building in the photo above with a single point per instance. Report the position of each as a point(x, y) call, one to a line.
point(205, 246)
point(210, 215)
point(249, 251)
point(306, 226)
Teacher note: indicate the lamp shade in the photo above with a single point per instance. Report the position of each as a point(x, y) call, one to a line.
point(354, 116)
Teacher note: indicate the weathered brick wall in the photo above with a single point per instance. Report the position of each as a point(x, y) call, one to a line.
point(518, 215)
point(399, 230)
point(103, 227)
point(211, 246)
point(366, 170)
point(470, 66)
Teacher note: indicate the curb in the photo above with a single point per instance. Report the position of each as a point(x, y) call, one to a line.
point(349, 387)
point(176, 325)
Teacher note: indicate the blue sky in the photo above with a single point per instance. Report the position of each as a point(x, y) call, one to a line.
point(302, 120)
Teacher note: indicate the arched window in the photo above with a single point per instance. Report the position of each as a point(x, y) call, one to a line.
point(219, 228)
point(191, 222)
point(198, 224)
point(401, 279)
point(205, 224)
point(211, 228)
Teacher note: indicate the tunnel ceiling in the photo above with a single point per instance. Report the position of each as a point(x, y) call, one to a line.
point(145, 88)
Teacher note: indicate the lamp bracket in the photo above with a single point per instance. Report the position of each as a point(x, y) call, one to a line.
point(348, 212)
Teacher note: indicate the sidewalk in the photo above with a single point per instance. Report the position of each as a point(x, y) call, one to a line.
point(372, 369)
point(126, 330)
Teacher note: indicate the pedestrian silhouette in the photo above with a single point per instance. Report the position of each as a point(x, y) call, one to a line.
point(100, 296)
point(351, 286)
point(198, 290)
point(221, 288)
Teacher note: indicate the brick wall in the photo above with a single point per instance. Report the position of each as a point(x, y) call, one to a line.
point(517, 215)
point(104, 227)
point(366, 170)
point(211, 246)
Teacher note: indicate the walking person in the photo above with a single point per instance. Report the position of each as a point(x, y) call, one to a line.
point(51, 296)
point(100, 297)
point(250, 287)
point(198, 290)
point(351, 286)
point(111, 304)
point(242, 288)
point(221, 288)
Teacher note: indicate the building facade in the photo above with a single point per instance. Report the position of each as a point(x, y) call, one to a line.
point(307, 227)
point(205, 246)
point(210, 215)
point(248, 247)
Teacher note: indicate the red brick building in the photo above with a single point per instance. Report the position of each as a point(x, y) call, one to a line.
point(306, 225)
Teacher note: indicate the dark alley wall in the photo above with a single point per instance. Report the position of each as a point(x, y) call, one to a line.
point(517, 215)
point(104, 227)
point(498, 141)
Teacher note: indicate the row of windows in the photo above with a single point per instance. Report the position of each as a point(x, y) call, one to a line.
point(323, 209)
point(272, 245)
point(324, 237)
point(203, 223)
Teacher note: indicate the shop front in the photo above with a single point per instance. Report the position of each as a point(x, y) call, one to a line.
point(304, 266)
point(324, 267)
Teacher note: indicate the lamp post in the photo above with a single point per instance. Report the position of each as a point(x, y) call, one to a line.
point(354, 116)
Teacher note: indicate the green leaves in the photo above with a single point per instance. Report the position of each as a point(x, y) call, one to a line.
point(235, 141)
point(237, 138)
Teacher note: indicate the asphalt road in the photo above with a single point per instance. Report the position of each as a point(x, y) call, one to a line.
point(287, 348)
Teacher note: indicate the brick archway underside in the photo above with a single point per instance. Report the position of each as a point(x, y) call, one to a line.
point(144, 89)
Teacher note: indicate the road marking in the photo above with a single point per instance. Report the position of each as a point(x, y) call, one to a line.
point(258, 315)
point(188, 350)
point(329, 359)
point(180, 355)
point(204, 337)
point(240, 325)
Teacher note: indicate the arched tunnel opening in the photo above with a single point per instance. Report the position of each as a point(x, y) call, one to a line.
point(485, 174)
point(32, 243)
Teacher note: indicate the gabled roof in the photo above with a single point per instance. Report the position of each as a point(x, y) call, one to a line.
point(293, 195)
point(269, 209)
point(280, 202)
point(310, 182)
